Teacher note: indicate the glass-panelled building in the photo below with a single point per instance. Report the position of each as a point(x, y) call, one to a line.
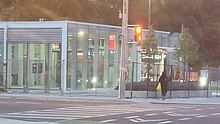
point(68, 55)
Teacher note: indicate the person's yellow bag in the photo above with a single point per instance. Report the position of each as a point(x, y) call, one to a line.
point(158, 86)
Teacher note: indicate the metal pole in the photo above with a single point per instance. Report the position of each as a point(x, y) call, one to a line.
point(149, 13)
point(148, 78)
point(189, 84)
point(132, 79)
point(208, 81)
point(121, 90)
point(26, 70)
point(171, 80)
point(5, 62)
point(157, 81)
point(217, 90)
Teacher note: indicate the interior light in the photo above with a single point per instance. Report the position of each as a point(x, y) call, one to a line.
point(203, 81)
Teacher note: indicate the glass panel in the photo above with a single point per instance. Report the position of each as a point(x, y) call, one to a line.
point(103, 60)
point(90, 64)
point(70, 60)
point(82, 61)
point(54, 65)
point(101, 68)
point(114, 62)
point(15, 56)
point(34, 65)
point(93, 58)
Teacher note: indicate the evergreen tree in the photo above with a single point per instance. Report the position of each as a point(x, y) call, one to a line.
point(188, 50)
point(149, 45)
point(187, 53)
point(149, 49)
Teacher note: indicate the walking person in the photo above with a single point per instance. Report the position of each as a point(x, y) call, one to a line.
point(163, 81)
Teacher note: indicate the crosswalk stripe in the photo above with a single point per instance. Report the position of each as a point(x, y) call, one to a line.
point(215, 114)
point(151, 114)
point(184, 119)
point(107, 121)
point(198, 109)
point(168, 112)
point(134, 120)
point(131, 117)
point(166, 122)
point(201, 116)
point(43, 115)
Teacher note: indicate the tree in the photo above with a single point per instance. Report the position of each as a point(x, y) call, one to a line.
point(149, 45)
point(149, 50)
point(187, 53)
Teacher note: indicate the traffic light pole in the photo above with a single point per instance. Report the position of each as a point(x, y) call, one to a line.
point(122, 75)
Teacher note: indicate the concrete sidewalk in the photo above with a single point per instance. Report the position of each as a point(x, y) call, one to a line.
point(203, 101)
point(57, 97)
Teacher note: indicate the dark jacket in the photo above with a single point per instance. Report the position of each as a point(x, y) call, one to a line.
point(163, 81)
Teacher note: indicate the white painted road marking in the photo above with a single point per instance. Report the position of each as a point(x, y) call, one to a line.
point(139, 120)
point(166, 122)
point(184, 119)
point(155, 120)
point(198, 109)
point(201, 116)
point(176, 114)
point(187, 107)
point(134, 120)
point(107, 121)
point(151, 114)
point(215, 114)
point(130, 117)
point(168, 112)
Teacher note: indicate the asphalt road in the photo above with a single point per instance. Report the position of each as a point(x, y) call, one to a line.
point(171, 114)
point(92, 111)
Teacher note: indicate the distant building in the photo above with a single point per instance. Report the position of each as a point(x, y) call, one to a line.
point(72, 55)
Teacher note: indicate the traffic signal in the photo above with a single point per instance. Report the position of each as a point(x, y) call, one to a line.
point(138, 34)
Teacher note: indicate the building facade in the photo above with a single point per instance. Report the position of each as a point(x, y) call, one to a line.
point(70, 55)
